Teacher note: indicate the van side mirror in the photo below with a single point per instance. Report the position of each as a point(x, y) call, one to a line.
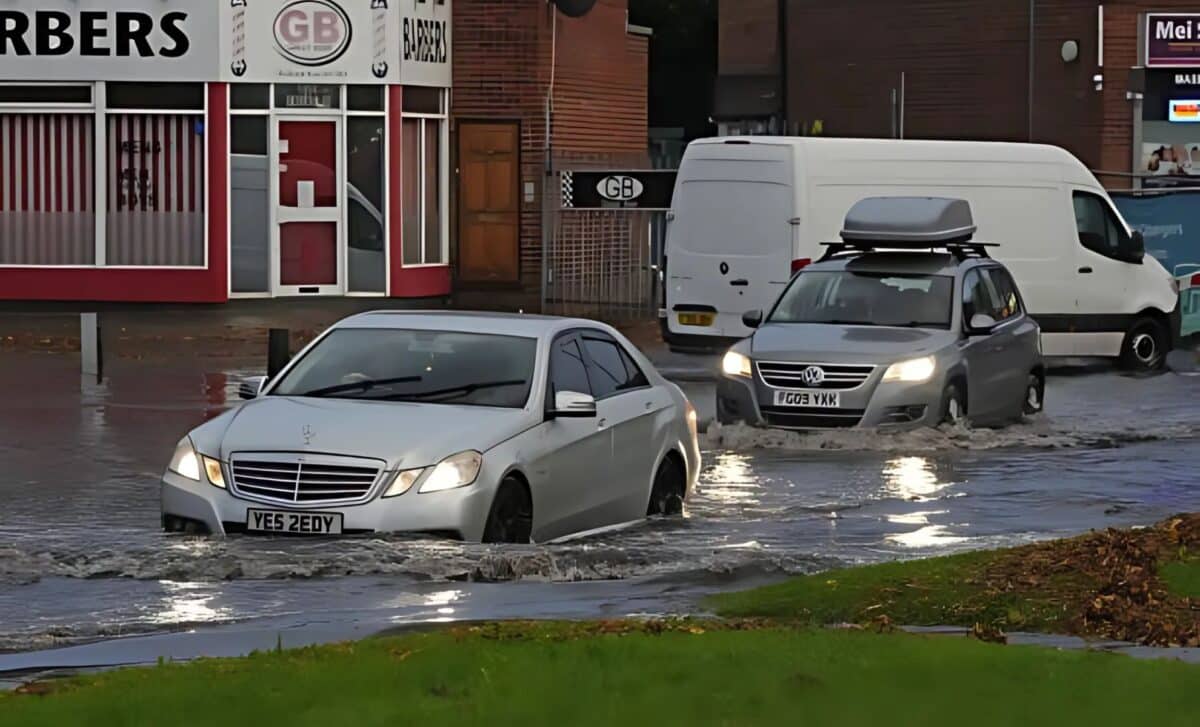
point(752, 319)
point(572, 405)
point(980, 325)
point(1137, 247)
point(251, 387)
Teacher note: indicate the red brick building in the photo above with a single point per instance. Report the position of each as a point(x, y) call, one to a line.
point(519, 65)
point(1054, 71)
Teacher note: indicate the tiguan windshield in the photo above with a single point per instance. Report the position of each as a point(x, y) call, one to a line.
point(433, 367)
point(867, 299)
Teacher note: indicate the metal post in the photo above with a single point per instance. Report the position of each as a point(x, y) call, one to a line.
point(278, 350)
point(91, 360)
point(1032, 59)
point(903, 83)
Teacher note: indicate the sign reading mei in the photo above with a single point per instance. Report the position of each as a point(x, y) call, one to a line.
point(1173, 40)
point(86, 40)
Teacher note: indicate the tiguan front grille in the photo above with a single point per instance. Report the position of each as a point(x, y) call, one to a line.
point(843, 377)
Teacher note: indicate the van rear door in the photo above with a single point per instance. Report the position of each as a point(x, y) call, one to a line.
point(729, 248)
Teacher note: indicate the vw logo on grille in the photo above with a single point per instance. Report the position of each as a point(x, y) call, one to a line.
point(814, 375)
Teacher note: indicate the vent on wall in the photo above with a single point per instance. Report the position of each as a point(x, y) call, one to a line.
point(575, 8)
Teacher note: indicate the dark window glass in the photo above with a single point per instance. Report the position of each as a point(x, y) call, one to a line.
point(567, 372)
point(422, 100)
point(181, 96)
point(1006, 293)
point(249, 135)
point(45, 94)
point(867, 299)
point(637, 379)
point(365, 141)
point(1098, 228)
point(432, 367)
point(249, 96)
point(364, 98)
point(610, 370)
point(307, 96)
point(978, 297)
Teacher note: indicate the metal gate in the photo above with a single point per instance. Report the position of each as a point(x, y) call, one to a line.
point(603, 262)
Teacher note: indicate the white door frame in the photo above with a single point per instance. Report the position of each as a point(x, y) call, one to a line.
point(282, 215)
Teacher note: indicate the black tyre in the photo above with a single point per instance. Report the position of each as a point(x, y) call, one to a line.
point(1145, 346)
point(670, 485)
point(1035, 395)
point(954, 405)
point(511, 517)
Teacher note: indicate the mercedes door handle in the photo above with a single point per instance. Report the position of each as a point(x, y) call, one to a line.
point(1085, 271)
point(602, 424)
point(740, 283)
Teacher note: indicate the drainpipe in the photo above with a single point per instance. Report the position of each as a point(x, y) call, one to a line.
point(1032, 58)
point(782, 20)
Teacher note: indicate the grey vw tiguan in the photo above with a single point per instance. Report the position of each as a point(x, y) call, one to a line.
point(904, 323)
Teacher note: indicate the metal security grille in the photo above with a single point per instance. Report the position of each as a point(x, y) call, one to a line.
point(295, 479)
point(605, 262)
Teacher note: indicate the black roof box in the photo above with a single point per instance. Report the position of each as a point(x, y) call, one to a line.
point(919, 222)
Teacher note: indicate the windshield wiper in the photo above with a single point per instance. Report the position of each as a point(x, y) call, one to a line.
point(918, 324)
point(455, 392)
point(364, 386)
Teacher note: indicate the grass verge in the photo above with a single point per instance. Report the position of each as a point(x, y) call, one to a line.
point(683, 673)
point(1135, 585)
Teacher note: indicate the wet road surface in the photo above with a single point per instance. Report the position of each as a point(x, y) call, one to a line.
point(82, 558)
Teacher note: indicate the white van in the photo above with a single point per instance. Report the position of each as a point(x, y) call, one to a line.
point(750, 212)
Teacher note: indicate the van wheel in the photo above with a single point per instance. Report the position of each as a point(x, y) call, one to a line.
point(1035, 393)
point(670, 485)
point(1145, 346)
point(511, 517)
point(954, 405)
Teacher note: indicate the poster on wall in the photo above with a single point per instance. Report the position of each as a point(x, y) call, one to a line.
point(1172, 40)
point(309, 41)
point(99, 40)
point(1171, 165)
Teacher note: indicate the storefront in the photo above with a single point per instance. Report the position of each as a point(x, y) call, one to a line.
point(170, 150)
point(1170, 131)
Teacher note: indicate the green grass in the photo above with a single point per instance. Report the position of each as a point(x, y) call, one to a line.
point(560, 675)
point(1182, 577)
point(948, 591)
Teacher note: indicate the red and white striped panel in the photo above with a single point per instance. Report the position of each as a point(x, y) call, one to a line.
point(155, 190)
point(46, 189)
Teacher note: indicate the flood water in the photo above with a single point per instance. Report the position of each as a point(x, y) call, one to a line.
point(82, 558)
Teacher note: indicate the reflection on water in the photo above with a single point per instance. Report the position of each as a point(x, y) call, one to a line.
point(930, 536)
point(731, 480)
point(189, 603)
point(912, 478)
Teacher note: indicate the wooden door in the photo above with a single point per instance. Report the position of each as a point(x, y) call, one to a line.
point(489, 203)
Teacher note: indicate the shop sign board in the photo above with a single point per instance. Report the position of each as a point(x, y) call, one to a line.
point(648, 190)
point(425, 42)
point(103, 40)
point(1173, 40)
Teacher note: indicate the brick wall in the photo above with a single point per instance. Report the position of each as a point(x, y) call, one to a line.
point(502, 70)
point(748, 41)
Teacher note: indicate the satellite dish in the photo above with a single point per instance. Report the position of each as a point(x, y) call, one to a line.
point(575, 8)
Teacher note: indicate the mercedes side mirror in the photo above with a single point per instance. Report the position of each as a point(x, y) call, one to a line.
point(752, 319)
point(981, 325)
point(573, 405)
point(251, 387)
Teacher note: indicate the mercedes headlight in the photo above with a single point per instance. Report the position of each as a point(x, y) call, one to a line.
point(185, 462)
point(403, 482)
point(736, 364)
point(458, 470)
point(914, 371)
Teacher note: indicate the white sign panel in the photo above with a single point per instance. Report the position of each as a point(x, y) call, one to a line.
point(309, 41)
point(108, 40)
point(424, 42)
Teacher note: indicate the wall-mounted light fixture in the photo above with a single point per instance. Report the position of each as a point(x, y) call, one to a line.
point(1070, 51)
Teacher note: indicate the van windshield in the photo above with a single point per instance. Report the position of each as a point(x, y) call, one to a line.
point(867, 299)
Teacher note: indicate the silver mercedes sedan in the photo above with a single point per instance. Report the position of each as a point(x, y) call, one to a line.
point(480, 427)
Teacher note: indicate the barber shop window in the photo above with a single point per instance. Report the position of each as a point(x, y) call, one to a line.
point(423, 168)
point(47, 172)
point(155, 175)
point(1099, 229)
point(366, 140)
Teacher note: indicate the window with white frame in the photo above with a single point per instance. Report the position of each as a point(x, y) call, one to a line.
point(47, 160)
point(102, 174)
point(423, 166)
point(155, 174)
